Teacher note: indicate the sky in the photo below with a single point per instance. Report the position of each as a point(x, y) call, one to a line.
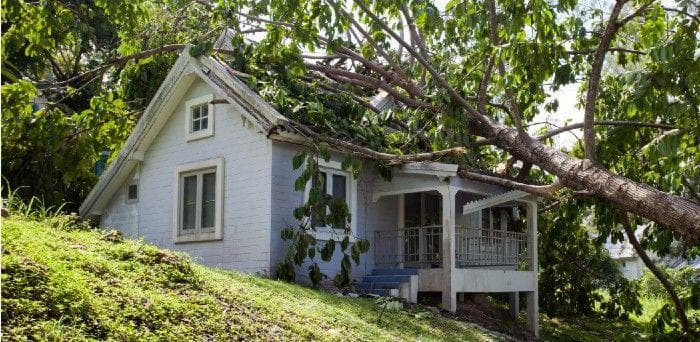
point(568, 112)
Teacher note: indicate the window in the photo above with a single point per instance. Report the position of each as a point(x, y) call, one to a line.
point(132, 193)
point(199, 121)
point(200, 117)
point(198, 198)
point(339, 184)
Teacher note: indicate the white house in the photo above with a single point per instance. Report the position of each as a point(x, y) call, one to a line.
point(207, 170)
point(631, 264)
point(628, 261)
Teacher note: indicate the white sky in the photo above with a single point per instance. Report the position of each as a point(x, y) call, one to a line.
point(568, 112)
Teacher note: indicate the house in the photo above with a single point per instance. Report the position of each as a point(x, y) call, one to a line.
point(628, 261)
point(208, 171)
point(631, 264)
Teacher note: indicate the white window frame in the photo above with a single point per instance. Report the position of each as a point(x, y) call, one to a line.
point(203, 133)
point(128, 200)
point(216, 165)
point(328, 232)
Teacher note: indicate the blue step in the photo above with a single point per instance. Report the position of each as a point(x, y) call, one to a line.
point(379, 285)
point(380, 292)
point(386, 278)
point(395, 271)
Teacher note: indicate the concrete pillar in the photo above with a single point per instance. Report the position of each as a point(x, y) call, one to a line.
point(400, 240)
point(449, 295)
point(533, 310)
point(532, 238)
point(533, 313)
point(514, 304)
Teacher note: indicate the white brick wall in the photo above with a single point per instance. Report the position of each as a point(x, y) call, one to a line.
point(247, 155)
point(121, 215)
point(370, 216)
point(259, 195)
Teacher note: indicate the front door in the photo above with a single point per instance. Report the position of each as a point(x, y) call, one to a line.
point(422, 229)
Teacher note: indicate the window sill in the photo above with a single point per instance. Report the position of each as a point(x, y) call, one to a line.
point(199, 135)
point(204, 237)
point(327, 233)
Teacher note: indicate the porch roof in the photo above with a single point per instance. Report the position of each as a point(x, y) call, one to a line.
point(433, 176)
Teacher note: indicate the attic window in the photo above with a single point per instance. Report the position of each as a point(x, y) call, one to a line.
point(132, 193)
point(200, 118)
point(199, 121)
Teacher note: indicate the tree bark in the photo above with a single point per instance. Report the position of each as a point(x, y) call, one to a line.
point(680, 214)
point(594, 80)
point(655, 270)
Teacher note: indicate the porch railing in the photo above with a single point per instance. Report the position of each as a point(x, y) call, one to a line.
point(476, 247)
point(419, 247)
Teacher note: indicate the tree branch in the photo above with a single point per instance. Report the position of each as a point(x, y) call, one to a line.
point(367, 81)
point(579, 125)
point(613, 49)
point(546, 191)
point(122, 60)
point(594, 80)
point(415, 36)
point(401, 74)
point(473, 113)
point(514, 107)
point(624, 218)
point(393, 159)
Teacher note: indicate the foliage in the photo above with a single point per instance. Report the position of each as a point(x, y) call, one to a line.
point(77, 284)
point(544, 46)
point(327, 211)
point(387, 304)
point(49, 152)
point(681, 278)
point(53, 135)
point(664, 322)
point(574, 268)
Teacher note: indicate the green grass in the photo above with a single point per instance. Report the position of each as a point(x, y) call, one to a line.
point(591, 329)
point(596, 328)
point(77, 284)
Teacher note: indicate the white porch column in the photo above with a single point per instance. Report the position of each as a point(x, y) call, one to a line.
point(533, 310)
point(533, 313)
point(514, 304)
point(449, 295)
point(532, 236)
point(400, 240)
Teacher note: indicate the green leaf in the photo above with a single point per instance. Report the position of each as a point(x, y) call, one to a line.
point(344, 244)
point(327, 250)
point(298, 160)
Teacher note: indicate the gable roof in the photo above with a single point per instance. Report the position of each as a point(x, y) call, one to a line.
point(213, 72)
point(224, 80)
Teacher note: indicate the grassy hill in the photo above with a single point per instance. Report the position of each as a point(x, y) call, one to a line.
point(62, 281)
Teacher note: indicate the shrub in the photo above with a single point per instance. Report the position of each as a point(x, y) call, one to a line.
point(680, 278)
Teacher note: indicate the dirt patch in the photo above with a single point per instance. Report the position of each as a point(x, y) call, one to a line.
point(488, 313)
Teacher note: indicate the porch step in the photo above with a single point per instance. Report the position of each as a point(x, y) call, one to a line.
point(379, 285)
point(386, 278)
point(380, 292)
point(395, 282)
point(395, 271)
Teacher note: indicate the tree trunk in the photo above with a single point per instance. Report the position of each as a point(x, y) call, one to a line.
point(679, 214)
point(659, 275)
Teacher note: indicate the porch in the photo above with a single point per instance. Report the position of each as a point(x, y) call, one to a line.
point(460, 237)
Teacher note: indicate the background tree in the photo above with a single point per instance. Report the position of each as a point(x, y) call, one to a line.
point(471, 75)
